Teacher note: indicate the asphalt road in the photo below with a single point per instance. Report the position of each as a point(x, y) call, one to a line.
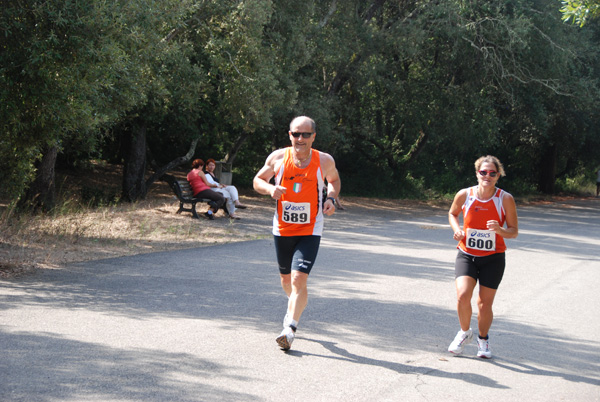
point(200, 324)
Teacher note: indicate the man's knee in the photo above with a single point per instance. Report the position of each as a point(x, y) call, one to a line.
point(299, 279)
point(286, 278)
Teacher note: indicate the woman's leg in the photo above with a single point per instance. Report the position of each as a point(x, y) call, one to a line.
point(235, 196)
point(464, 291)
point(234, 193)
point(485, 316)
point(217, 199)
point(230, 205)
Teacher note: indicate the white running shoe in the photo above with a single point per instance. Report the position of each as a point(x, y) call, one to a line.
point(286, 320)
point(483, 348)
point(462, 338)
point(285, 339)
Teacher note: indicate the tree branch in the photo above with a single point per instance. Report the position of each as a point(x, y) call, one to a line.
point(230, 157)
point(332, 9)
point(160, 171)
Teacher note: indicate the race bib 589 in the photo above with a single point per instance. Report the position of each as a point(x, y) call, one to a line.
point(295, 212)
point(484, 240)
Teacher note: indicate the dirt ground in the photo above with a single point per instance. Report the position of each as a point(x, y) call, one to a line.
point(74, 233)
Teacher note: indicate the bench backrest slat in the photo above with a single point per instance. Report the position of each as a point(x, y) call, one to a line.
point(186, 189)
point(176, 189)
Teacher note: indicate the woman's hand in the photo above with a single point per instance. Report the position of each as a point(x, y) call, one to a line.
point(494, 226)
point(459, 235)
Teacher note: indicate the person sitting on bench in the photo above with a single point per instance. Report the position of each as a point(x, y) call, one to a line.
point(201, 188)
point(232, 198)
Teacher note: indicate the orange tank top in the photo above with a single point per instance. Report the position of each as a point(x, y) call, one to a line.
point(299, 211)
point(478, 240)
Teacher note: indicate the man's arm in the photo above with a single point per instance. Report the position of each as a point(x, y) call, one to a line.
point(266, 173)
point(334, 184)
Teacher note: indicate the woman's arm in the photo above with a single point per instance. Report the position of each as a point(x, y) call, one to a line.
point(512, 221)
point(454, 212)
point(203, 177)
point(211, 181)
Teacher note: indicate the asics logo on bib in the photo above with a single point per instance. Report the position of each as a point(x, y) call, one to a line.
point(481, 235)
point(296, 208)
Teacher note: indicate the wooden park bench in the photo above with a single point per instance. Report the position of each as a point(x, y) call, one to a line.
point(183, 191)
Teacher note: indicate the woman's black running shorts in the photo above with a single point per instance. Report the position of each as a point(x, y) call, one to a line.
point(488, 270)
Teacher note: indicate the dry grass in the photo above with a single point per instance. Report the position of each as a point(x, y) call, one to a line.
point(76, 232)
point(50, 241)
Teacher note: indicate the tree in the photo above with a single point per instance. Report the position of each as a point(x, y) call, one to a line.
point(220, 90)
point(420, 89)
point(69, 68)
point(410, 92)
point(580, 12)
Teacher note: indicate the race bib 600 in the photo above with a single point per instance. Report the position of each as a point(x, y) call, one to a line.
point(484, 240)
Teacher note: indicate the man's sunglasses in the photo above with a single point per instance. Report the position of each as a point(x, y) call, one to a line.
point(485, 172)
point(304, 135)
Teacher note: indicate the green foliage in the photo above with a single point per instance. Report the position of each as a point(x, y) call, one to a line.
point(579, 12)
point(70, 68)
point(406, 95)
point(577, 185)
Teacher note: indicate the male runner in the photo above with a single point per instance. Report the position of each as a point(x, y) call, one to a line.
point(299, 173)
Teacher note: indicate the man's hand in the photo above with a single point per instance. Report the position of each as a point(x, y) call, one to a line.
point(328, 207)
point(277, 192)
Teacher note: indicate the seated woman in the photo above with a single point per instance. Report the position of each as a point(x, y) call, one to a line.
point(229, 192)
point(201, 188)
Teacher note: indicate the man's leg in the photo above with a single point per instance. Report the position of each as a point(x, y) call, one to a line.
point(286, 283)
point(298, 298)
point(305, 250)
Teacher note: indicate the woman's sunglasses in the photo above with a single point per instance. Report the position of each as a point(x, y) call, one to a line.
point(304, 135)
point(485, 172)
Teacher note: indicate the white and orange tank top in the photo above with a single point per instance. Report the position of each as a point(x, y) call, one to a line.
point(478, 240)
point(299, 211)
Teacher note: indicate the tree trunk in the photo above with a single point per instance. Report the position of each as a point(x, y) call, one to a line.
point(547, 169)
point(41, 192)
point(134, 186)
point(230, 157)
